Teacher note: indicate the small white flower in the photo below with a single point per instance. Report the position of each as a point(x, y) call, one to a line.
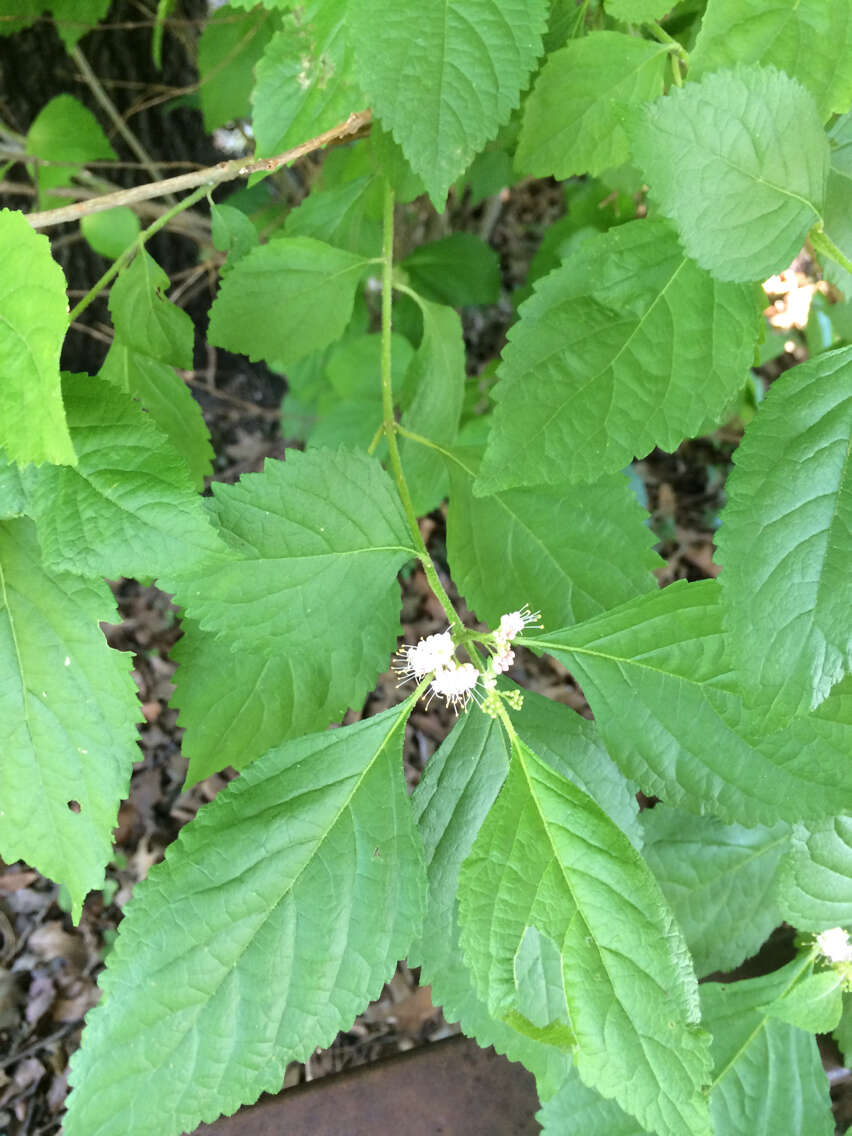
point(455, 684)
point(504, 659)
point(513, 623)
point(426, 656)
point(834, 945)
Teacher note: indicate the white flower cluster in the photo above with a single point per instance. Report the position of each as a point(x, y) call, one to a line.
point(457, 682)
point(511, 625)
point(433, 653)
point(834, 945)
point(453, 681)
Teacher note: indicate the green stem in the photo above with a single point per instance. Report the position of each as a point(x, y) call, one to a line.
point(389, 421)
point(825, 245)
point(663, 36)
point(579, 20)
point(677, 53)
point(139, 242)
point(163, 9)
point(507, 724)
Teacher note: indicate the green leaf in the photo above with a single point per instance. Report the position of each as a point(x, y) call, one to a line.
point(445, 76)
point(232, 233)
point(26, 13)
point(348, 408)
point(242, 951)
point(228, 51)
point(305, 81)
point(150, 334)
point(538, 980)
point(34, 322)
point(488, 173)
point(719, 879)
point(69, 707)
point(73, 18)
point(127, 508)
point(786, 540)
point(259, 699)
point(313, 576)
point(354, 366)
point(573, 120)
point(111, 232)
point(13, 497)
point(571, 746)
point(457, 270)
point(656, 672)
point(814, 888)
point(351, 424)
point(344, 215)
point(285, 299)
point(459, 786)
point(148, 322)
point(65, 132)
point(436, 374)
point(843, 1033)
point(772, 32)
point(814, 1004)
point(392, 164)
point(565, 21)
point(307, 386)
point(722, 161)
point(838, 204)
point(591, 206)
point(768, 1076)
point(638, 11)
point(576, 1110)
point(548, 857)
point(168, 401)
point(505, 549)
point(627, 345)
point(274, 5)
point(342, 164)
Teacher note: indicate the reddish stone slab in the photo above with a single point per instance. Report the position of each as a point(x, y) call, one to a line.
point(449, 1088)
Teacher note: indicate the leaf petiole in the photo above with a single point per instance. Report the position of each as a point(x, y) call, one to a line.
point(139, 242)
point(822, 243)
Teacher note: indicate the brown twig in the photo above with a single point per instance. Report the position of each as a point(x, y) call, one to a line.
point(212, 175)
point(94, 332)
point(111, 111)
point(41, 1043)
point(190, 224)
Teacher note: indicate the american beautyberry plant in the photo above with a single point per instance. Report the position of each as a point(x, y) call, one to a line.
point(552, 918)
